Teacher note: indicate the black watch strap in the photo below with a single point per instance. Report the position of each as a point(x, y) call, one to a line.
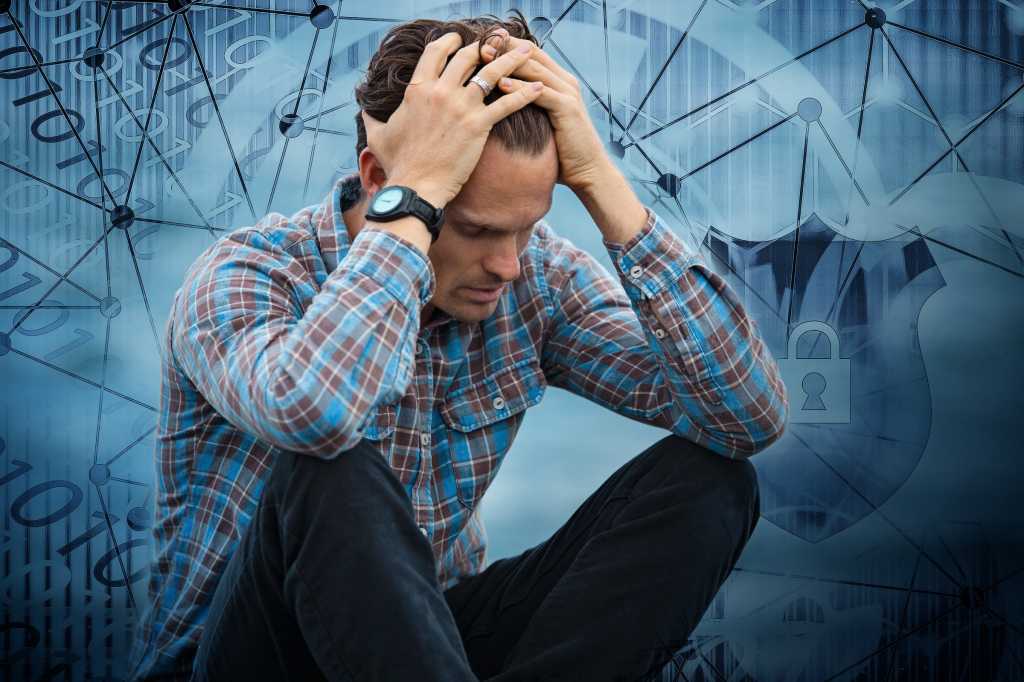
point(408, 202)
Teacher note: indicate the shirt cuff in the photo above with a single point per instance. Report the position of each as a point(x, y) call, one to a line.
point(395, 263)
point(652, 259)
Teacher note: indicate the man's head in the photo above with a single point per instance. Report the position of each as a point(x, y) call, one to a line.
point(488, 224)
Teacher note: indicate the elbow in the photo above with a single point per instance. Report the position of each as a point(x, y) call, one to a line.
point(770, 424)
point(322, 441)
point(297, 423)
point(757, 432)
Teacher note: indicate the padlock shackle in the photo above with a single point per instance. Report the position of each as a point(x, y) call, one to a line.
point(815, 326)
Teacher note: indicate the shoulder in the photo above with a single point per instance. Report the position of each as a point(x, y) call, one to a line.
point(275, 239)
point(559, 260)
point(278, 252)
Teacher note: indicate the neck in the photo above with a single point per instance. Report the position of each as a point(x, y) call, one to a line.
point(354, 217)
point(426, 313)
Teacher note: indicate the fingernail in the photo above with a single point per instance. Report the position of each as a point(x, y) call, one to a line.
point(525, 49)
point(538, 86)
point(489, 50)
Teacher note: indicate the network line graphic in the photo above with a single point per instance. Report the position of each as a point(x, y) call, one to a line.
point(853, 169)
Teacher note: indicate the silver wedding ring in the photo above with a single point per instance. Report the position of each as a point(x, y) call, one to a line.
point(484, 85)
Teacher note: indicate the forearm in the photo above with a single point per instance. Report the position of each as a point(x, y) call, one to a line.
point(613, 205)
point(296, 367)
point(726, 389)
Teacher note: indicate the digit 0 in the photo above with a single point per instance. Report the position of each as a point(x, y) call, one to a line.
point(17, 510)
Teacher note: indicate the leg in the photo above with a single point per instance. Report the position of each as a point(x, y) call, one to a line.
point(620, 587)
point(332, 580)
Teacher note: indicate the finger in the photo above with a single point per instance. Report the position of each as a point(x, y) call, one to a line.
point(434, 56)
point(503, 66)
point(537, 53)
point(533, 70)
point(549, 98)
point(494, 44)
point(498, 39)
point(503, 106)
point(462, 64)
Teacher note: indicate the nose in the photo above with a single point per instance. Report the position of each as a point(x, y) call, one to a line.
point(503, 263)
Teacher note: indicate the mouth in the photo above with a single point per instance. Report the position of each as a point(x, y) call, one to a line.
point(483, 295)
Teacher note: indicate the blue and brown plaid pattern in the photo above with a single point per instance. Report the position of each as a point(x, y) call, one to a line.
point(289, 335)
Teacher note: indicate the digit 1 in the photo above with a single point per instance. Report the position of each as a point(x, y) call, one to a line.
point(10, 27)
point(84, 337)
point(184, 86)
point(90, 145)
point(24, 286)
point(90, 27)
point(231, 200)
point(21, 101)
point(21, 468)
point(128, 88)
point(157, 14)
point(89, 534)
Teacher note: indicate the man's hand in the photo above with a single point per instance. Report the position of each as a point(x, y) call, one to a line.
point(584, 166)
point(434, 139)
point(582, 158)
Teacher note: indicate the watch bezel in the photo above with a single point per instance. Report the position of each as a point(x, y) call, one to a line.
point(401, 208)
point(410, 204)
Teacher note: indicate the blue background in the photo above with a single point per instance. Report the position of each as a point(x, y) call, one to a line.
point(865, 178)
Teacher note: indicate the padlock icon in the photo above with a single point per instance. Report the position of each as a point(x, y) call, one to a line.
point(819, 388)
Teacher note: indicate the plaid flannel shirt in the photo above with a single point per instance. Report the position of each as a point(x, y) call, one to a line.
point(287, 335)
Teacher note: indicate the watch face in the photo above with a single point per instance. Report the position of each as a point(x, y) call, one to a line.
point(387, 199)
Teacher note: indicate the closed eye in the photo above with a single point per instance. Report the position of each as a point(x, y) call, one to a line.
point(471, 231)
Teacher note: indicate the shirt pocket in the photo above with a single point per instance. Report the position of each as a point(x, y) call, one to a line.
point(482, 421)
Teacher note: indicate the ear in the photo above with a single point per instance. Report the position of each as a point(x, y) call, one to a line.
point(371, 173)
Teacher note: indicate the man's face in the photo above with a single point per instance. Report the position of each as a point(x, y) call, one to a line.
point(487, 226)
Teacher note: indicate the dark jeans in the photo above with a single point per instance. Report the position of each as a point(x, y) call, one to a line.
point(333, 579)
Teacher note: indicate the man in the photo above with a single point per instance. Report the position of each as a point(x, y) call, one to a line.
point(340, 390)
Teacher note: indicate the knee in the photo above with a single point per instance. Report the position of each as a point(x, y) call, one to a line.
point(348, 468)
point(357, 482)
point(731, 484)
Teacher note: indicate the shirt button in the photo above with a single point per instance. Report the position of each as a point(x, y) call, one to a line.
point(421, 348)
point(636, 271)
point(424, 531)
point(660, 333)
point(424, 439)
point(498, 403)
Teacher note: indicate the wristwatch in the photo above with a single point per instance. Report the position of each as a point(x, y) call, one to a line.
point(397, 201)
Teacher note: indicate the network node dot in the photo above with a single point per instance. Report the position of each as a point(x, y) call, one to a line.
point(122, 217)
point(138, 518)
point(93, 57)
point(99, 474)
point(809, 109)
point(617, 148)
point(875, 17)
point(179, 6)
point(5, 5)
point(669, 183)
point(291, 125)
point(321, 16)
point(110, 307)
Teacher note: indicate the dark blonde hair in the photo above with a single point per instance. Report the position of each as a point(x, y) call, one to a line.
point(380, 92)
